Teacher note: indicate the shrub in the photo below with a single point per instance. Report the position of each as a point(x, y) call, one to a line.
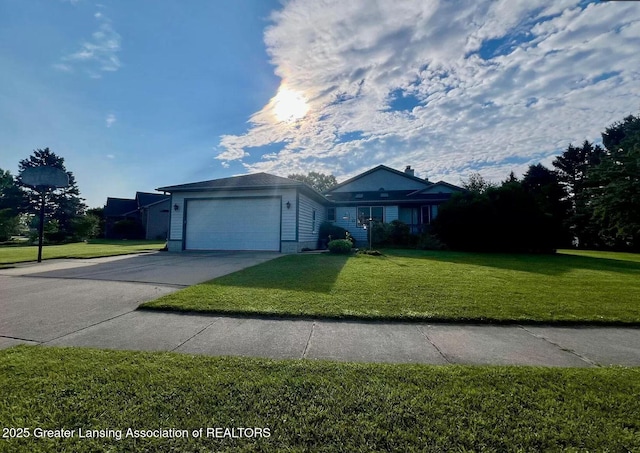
point(128, 229)
point(428, 241)
point(85, 227)
point(328, 232)
point(341, 246)
point(8, 224)
point(381, 233)
point(399, 234)
point(502, 219)
point(55, 237)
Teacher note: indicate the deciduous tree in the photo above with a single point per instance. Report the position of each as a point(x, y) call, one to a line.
point(318, 181)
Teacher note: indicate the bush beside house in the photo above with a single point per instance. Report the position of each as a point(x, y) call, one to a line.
point(340, 246)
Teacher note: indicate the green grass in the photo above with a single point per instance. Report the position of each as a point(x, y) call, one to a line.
point(419, 285)
point(313, 406)
point(93, 249)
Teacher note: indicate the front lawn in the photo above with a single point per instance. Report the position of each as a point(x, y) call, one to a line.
point(310, 405)
point(423, 285)
point(92, 249)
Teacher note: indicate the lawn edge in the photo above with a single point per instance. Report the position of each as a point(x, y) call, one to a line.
point(72, 257)
point(378, 319)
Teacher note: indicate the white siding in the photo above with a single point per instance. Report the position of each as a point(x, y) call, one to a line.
point(346, 218)
point(307, 228)
point(390, 214)
point(382, 178)
point(233, 224)
point(288, 215)
point(350, 224)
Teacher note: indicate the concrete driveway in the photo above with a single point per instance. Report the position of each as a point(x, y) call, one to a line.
point(42, 302)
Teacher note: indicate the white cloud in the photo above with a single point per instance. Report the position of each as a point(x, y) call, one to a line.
point(563, 72)
point(111, 156)
point(110, 119)
point(99, 54)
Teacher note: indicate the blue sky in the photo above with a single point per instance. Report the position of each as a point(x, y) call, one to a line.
point(141, 94)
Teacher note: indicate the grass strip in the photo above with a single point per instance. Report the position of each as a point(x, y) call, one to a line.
point(93, 249)
point(598, 288)
point(313, 405)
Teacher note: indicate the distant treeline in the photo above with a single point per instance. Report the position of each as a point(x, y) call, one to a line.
point(590, 199)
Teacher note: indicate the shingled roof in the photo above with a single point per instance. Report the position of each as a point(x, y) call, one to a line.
point(145, 198)
point(246, 182)
point(254, 181)
point(117, 207)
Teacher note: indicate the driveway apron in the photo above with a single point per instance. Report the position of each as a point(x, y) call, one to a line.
point(48, 301)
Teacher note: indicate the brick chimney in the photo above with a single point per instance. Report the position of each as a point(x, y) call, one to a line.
point(409, 170)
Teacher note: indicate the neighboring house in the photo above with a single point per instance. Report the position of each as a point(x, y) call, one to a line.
point(267, 212)
point(148, 214)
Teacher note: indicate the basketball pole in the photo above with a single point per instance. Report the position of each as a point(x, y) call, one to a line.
point(41, 226)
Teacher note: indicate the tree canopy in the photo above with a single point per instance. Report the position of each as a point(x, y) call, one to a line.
point(12, 202)
point(615, 186)
point(318, 181)
point(476, 183)
point(63, 204)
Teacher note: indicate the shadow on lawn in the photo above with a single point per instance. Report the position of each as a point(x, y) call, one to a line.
point(308, 273)
point(539, 264)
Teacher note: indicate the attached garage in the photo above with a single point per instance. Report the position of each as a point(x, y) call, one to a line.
point(257, 212)
point(233, 223)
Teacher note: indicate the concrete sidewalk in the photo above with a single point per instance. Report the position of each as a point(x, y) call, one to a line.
point(362, 341)
point(93, 303)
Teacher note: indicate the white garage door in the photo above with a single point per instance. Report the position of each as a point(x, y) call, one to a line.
point(233, 224)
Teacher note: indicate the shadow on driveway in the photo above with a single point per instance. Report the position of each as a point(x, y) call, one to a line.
point(179, 269)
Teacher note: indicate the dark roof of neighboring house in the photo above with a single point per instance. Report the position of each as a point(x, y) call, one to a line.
point(145, 198)
point(379, 167)
point(245, 182)
point(116, 207)
point(396, 196)
point(443, 183)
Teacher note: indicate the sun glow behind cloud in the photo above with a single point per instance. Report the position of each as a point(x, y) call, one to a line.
point(289, 105)
point(488, 86)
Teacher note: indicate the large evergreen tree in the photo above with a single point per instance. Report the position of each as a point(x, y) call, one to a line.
point(573, 168)
point(615, 185)
point(64, 204)
point(550, 196)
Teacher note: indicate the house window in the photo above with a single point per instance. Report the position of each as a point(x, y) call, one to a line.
point(331, 214)
point(426, 215)
point(429, 214)
point(313, 221)
point(370, 212)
